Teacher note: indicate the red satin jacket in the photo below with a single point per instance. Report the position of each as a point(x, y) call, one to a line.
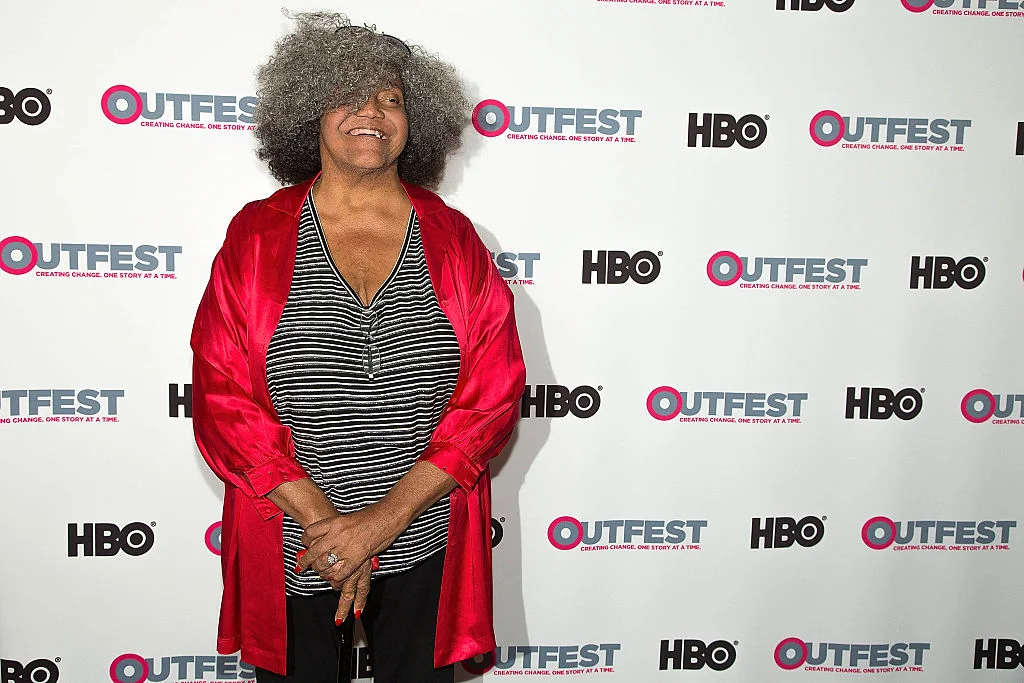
point(243, 441)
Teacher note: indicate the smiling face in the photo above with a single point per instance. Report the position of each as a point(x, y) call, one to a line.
point(368, 140)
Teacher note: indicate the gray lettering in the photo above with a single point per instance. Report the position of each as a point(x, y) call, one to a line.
point(120, 257)
point(224, 109)
point(158, 107)
point(201, 104)
point(563, 117)
point(586, 121)
point(917, 131)
point(72, 250)
point(63, 401)
point(609, 122)
point(94, 254)
point(524, 120)
point(542, 117)
point(631, 115)
point(169, 253)
point(177, 99)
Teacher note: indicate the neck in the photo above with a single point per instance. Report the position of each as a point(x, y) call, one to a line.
point(347, 189)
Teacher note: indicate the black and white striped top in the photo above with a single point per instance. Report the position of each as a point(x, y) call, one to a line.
point(361, 387)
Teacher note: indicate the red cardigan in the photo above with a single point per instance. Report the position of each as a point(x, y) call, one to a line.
point(243, 441)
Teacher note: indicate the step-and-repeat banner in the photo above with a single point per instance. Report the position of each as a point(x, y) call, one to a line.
point(767, 259)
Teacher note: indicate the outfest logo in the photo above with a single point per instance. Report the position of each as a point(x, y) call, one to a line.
point(569, 533)
point(981, 405)
point(123, 104)
point(20, 256)
point(739, 407)
point(546, 660)
point(212, 537)
point(967, 8)
point(855, 658)
point(492, 118)
point(829, 128)
point(727, 268)
point(134, 668)
point(881, 533)
point(516, 268)
point(59, 405)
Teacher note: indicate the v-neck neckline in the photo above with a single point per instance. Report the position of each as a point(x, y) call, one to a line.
point(337, 271)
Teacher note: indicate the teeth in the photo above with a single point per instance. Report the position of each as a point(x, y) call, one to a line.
point(367, 131)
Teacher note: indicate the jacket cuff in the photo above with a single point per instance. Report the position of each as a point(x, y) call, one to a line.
point(266, 509)
point(453, 461)
point(266, 477)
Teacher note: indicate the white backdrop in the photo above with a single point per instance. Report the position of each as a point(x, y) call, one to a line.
point(77, 178)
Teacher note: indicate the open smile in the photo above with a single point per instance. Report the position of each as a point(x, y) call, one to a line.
point(368, 131)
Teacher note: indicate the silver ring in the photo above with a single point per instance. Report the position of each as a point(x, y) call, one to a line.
point(332, 559)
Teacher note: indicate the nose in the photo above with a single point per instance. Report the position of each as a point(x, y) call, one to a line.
point(371, 109)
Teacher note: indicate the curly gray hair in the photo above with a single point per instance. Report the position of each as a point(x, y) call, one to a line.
point(326, 63)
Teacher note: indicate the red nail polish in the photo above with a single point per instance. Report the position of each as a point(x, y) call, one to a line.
point(359, 613)
point(375, 563)
point(337, 622)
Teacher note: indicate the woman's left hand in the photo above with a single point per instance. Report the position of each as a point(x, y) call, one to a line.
point(354, 591)
point(354, 538)
point(357, 537)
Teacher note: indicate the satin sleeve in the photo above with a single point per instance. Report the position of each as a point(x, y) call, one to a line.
point(484, 408)
point(239, 436)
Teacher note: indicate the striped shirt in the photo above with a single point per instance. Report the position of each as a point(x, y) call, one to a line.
point(361, 387)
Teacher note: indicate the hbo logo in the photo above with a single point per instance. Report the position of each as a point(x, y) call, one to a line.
point(783, 532)
point(1002, 653)
point(877, 403)
point(815, 5)
point(555, 400)
point(31, 106)
point(497, 532)
point(942, 272)
point(723, 130)
point(36, 671)
point(617, 267)
point(105, 540)
point(719, 655)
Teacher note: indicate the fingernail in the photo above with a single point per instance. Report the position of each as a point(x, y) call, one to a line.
point(298, 569)
point(298, 556)
point(375, 563)
point(359, 613)
point(337, 622)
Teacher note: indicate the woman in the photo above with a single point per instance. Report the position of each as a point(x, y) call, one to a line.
point(356, 365)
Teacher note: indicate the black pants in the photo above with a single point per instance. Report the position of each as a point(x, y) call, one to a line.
point(400, 620)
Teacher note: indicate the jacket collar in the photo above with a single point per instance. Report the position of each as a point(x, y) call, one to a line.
point(290, 199)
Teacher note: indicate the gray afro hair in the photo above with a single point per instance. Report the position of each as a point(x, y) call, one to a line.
point(324, 64)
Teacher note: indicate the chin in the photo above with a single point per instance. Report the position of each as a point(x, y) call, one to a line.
point(369, 165)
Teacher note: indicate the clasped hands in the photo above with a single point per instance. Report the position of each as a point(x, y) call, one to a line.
point(354, 539)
